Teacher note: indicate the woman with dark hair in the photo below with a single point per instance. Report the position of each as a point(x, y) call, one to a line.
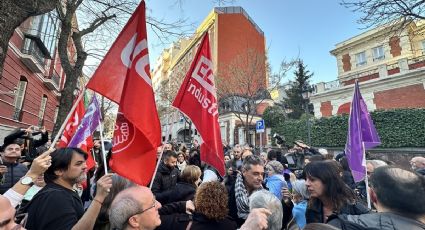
point(328, 193)
point(181, 161)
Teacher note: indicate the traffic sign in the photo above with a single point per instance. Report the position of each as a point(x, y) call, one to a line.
point(260, 127)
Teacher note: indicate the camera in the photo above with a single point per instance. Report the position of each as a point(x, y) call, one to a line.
point(279, 139)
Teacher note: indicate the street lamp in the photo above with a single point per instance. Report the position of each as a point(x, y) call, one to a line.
point(306, 93)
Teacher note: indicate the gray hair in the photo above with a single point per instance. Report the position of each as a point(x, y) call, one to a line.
point(299, 187)
point(376, 163)
point(276, 166)
point(266, 199)
point(252, 160)
point(122, 209)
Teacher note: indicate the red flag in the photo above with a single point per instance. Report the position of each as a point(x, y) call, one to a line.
point(197, 99)
point(70, 129)
point(72, 125)
point(124, 77)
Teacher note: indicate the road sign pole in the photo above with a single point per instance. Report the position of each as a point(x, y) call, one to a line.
point(261, 142)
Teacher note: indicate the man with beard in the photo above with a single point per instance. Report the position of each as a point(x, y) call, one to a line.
point(57, 205)
point(166, 175)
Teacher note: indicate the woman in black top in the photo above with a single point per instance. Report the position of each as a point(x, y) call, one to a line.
point(328, 193)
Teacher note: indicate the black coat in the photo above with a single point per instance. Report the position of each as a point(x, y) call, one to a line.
point(181, 192)
point(165, 179)
point(314, 212)
point(201, 222)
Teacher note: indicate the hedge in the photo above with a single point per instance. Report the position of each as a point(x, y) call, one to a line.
point(397, 128)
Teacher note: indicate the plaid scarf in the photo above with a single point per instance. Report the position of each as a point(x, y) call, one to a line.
point(242, 197)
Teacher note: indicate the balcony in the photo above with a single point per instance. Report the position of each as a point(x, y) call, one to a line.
point(32, 56)
point(52, 81)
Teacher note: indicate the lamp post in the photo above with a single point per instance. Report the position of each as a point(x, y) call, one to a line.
point(306, 92)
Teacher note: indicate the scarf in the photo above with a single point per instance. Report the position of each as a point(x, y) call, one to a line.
point(242, 197)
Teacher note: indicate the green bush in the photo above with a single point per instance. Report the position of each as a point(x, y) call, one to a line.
point(396, 128)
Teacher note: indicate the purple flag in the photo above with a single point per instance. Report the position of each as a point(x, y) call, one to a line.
point(361, 136)
point(88, 125)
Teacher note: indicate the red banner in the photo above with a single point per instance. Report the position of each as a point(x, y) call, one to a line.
point(124, 77)
point(197, 99)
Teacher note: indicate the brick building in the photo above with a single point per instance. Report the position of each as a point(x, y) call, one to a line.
point(32, 77)
point(388, 65)
point(232, 32)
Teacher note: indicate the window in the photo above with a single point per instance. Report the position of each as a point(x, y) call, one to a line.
point(42, 109)
point(423, 46)
point(378, 53)
point(19, 98)
point(45, 28)
point(361, 58)
point(56, 114)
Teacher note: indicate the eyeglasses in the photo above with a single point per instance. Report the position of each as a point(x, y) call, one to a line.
point(144, 210)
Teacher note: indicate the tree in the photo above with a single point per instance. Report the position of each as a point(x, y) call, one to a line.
point(398, 13)
point(243, 85)
point(13, 13)
point(274, 116)
point(295, 101)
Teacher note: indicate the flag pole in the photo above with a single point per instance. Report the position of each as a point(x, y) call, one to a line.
point(366, 179)
point(156, 167)
point(74, 106)
point(103, 148)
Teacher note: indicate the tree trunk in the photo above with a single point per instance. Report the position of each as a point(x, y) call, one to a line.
point(15, 12)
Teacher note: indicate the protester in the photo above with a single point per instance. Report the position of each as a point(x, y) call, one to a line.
point(38, 167)
point(328, 193)
point(236, 162)
point(347, 177)
point(211, 208)
point(263, 156)
point(118, 184)
point(300, 198)
point(57, 206)
point(26, 138)
point(167, 174)
point(7, 215)
point(275, 180)
point(398, 196)
point(371, 165)
point(185, 189)
point(246, 183)
point(10, 169)
point(181, 161)
point(246, 152)
point(265, 199)
point(135, 208)
point(418, 164)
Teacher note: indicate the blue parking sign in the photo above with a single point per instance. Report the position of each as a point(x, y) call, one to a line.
point(260, 126)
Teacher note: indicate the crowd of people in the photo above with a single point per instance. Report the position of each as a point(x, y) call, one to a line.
point(44, 188)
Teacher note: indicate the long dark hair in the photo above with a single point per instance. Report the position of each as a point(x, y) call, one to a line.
point(334, 187)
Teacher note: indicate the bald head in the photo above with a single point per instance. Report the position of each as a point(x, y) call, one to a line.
point(135, 208)
point(399, 190)
point(7, 214)
point(417, 163)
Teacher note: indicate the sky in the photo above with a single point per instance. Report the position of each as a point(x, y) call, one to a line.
point(308, 29)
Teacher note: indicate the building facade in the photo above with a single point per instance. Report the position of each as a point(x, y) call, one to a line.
point(231, 33)
point(388, 65)
point(32, 77)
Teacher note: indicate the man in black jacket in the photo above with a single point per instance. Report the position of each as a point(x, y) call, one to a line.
point(167, 174)
point(398, 196)
point(11, 171)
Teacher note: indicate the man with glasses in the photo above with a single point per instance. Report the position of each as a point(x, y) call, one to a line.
point(135, 208)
